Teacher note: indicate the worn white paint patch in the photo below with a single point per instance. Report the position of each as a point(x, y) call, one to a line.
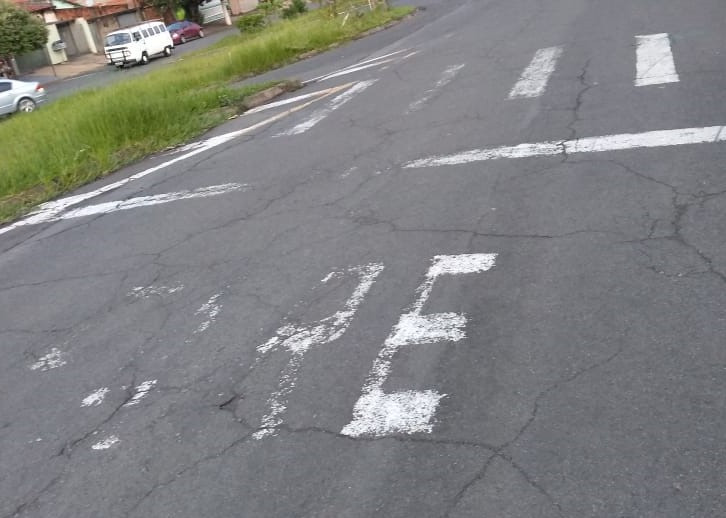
point(141, 392)
point(648, 139)
point(361, 65)
point(447, 77)
point(54, 359)
point(211, 310)
point(299, 339)
point(144, 292)
point(655, 63)
point(534, 79)
point(379, 414)
point(376, 413)
point(48, 212)
point(95, 398)
point(147, 201)
point(322, 113)
point(106, 443)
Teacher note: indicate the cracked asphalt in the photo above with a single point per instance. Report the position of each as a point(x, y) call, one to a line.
point(592, 378)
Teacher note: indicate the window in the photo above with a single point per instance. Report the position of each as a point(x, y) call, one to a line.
point(137, 36)
point(117, 39)
point(156, 29)
point(163, 28)
point(146, 34)
point(4, 86)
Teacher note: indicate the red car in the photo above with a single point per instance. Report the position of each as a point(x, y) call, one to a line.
point(181, 32)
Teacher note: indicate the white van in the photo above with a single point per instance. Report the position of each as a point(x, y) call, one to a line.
point(137, 44)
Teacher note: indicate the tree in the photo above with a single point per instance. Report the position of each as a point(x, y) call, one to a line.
point(20, 31)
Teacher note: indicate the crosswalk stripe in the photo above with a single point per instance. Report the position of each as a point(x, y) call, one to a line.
point(535, 77)
point(654, 60)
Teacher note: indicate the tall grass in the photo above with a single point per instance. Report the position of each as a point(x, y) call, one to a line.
point(82, 137)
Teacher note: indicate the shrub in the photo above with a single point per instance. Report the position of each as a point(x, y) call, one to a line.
point(251, 22)
point(296, 7)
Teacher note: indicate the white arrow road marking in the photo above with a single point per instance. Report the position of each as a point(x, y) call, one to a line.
point(147, 201)
point(49, 211)
point(322, 113)
point(649, 139)
point(447, 77)
point(535, 77)
point(377, 413)
point(299, 339)
point(654, 60)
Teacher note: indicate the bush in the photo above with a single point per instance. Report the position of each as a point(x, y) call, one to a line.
point(251, 22)
point(295, 8)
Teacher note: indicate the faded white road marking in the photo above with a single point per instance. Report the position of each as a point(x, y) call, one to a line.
point(361, 65)
point(106, 443)
point(320, 93)
point(95, 398)
point(141, 392)
point(648, 139)
point(448, 76)
point(54, 359)
point(535, 77)
point(654, 60)
point(210, 309)
point(299, 339)
point(322, 113)
point(377, 413)
point(144, 292)
point(148, 201)
point(50, 211)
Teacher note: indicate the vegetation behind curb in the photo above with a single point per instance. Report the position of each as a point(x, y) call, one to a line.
point(82, 137)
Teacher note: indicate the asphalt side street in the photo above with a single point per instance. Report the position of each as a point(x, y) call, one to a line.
point(475, 267)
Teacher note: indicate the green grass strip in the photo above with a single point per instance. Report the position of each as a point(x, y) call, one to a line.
point(85, 136)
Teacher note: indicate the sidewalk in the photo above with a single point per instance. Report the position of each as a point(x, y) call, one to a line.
point(78, 66)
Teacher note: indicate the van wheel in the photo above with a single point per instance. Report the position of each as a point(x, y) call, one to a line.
point(167, 51)
point(201, 33)
point(144, 59)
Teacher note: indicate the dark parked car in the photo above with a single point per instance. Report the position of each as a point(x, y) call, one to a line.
point(19, 96)
point(183, 31)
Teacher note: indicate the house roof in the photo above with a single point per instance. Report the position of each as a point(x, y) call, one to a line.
point(34, 6)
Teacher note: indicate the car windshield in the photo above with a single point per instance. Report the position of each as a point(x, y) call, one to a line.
point(120, 38)
point(175, 26)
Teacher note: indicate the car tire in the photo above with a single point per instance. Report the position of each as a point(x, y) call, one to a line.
point(168, 51)
point(26, 105)
point(201, 33)
point(144, 59)
point(182, 39)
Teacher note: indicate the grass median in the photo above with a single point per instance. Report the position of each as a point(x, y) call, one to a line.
point(85, 136)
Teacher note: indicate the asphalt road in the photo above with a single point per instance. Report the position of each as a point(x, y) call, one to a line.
point(480, 275)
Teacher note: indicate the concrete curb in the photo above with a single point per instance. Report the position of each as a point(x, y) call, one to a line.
point(265, 96)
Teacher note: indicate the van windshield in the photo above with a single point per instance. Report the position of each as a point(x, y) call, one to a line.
point(120, 38)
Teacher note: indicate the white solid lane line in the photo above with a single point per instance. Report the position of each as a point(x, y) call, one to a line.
point(322, 113)
point(648, 139)
point(355, 67)
point(146, 201)
point(654, 60)
point(535, 77)
point(447, 77)
point(304, 97)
